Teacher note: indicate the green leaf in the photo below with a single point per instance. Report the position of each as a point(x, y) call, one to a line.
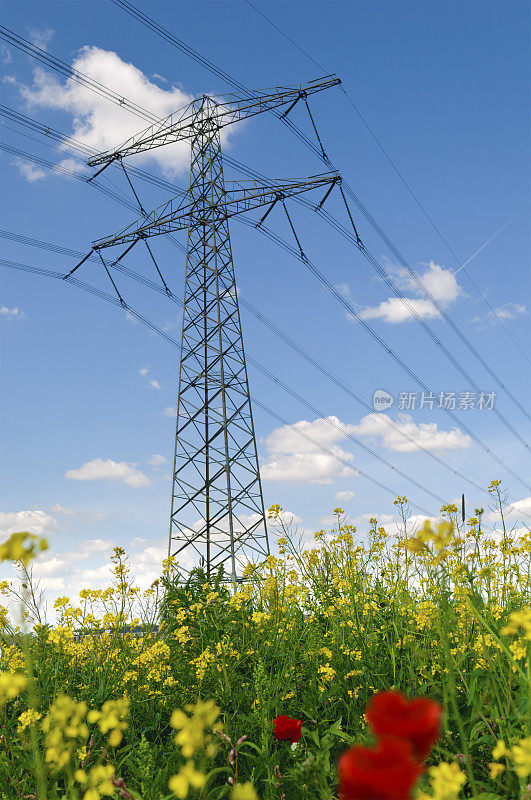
point(486, 796)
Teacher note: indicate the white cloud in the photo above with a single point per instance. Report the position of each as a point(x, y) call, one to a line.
point(376, 428)
point(11, 313)
point(519, 511)
point(57, 508)
point(29, 171)
point(32, 521)
point(344, 497)
point(5, 54)
point(101, 124)
point(394, 310)
point(504, 313)
point(440, 283)
point(344, 289)
point(143, 371)
point(291, 457)
point(73, 164)
point(154, 384)
point(170, 411)
point(40, 38)
point(157, 460)
point(109, 470)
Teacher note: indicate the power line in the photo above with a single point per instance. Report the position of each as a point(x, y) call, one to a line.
point(150, 23)
point(125, 306)
point(368, 328)
point(62, 170)
point(409, 305)
point(74, 144)
point(278, 332)
point(402, 178)
point(165, 34)
point(22, 44)
point(303, 401)
point(52, 133)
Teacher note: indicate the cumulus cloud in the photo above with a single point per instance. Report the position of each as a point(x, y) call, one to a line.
point(11, 313)
point(143, 371)
point(156, 460)
point(100, 470)
point(291, 457)
point(32, 521)
point(519, 511)
point(5, 54)
point(101, 124)
point(376, 428)
point(57, 508)
point(40, 38)
point(170, 411)
point(154, 384)
point(394, 310)
point(344, 497)
point(30, 172)
point(441, 284)
point(505, 312)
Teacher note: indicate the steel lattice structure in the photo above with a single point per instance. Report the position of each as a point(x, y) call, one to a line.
point(217, 507)
point(215, 474)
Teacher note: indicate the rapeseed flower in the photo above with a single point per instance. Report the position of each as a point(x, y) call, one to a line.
point(187, 777)
point(22, 547)
point(29, 717)
point(191, 736)
point(447, 781)
point(111, 718)
point(11, 685)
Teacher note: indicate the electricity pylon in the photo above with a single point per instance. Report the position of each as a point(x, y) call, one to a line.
point(217, 507)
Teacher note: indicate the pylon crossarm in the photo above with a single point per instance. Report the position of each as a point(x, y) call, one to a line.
point(175, 215)
point(182, 124)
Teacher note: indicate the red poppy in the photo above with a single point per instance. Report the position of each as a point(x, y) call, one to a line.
point(386, 772)
point(418, 720)
point(287, 729)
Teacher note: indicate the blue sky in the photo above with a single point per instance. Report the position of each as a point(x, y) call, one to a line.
point(445, 87)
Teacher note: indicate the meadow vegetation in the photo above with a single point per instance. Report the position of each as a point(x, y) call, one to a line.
point(189, 705)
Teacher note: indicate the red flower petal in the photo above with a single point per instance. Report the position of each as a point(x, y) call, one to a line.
point(418, 720)
point(387, 772)
point(287, 729)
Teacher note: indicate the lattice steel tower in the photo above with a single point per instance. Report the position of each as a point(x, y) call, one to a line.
point(217, 507)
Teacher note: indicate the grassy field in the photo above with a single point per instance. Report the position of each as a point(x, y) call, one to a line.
point(188, 708)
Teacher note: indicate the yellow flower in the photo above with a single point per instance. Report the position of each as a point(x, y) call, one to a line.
point(188, 776)
point(22, 547)
point(495, 769)
point(63, 725)
point(29, 717)
point(191, 736)
point(446, 782)
point(11, 685)
point(521, 755)
point(519, 619)
point(111, 718)
point(99, 782)
point(500, 750)
point(244, 791)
